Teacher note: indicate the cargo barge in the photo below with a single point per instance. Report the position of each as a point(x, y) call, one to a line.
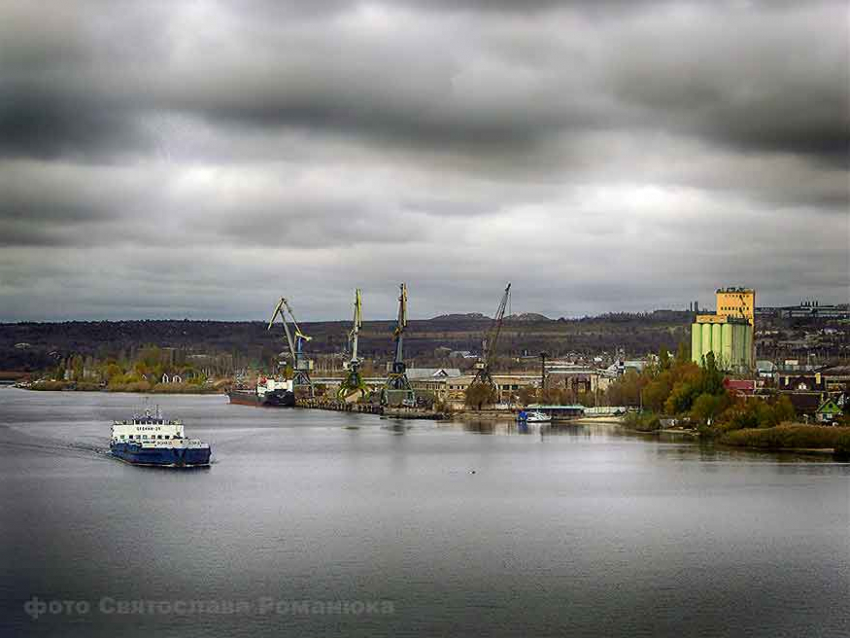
point(151, 440)
point(270, 393)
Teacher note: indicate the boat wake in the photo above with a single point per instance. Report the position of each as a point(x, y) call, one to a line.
point(13, 441)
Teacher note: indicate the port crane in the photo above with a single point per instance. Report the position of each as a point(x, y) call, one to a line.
point(397, 381)
point(301, 365)
point(484, 365)
point(353, 385)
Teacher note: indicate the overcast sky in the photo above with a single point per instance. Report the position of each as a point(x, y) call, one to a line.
point(200, 159)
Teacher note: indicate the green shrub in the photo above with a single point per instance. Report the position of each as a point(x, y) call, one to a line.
point(642, 422)
point(50, 385)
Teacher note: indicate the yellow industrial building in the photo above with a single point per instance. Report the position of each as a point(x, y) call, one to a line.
point(736, 302)
point(727, 333)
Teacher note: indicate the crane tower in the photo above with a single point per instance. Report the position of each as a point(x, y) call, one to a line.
point(484, 365)
point(352, 387)
point(301, 365)
point(397, 388)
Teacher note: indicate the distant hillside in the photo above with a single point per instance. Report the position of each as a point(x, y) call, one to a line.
point(460, 317)
point(528, 317)
point(33, 346)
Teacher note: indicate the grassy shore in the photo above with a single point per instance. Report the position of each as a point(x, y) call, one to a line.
point(139, 387)
point(12, 375)
point(792, 436)
point(788, 436)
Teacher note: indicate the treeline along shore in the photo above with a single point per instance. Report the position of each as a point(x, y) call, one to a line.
point(674, 392)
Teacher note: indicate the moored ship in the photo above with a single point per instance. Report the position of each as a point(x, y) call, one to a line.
point(272, 393)
point(150, 439)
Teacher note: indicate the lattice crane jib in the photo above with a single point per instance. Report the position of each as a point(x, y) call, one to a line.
point(295, 340)
point(397, 382)
point(353, 381)
point(490, 343)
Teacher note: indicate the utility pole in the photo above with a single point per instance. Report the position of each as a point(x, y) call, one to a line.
point(543, 356)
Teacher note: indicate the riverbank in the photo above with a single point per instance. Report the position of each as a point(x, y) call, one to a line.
point(12, 375)
point(793, 437)
point(138, 388)
point(818, 440)
point(478, 415)
point(602, 420)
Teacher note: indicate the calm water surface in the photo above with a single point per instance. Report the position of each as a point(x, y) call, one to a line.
point(581, 531)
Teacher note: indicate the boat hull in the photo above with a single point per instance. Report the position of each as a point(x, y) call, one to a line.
point(162, 457)
point(533, 417)
point(272, 399)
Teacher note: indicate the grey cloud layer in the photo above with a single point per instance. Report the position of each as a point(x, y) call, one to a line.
point(758, 80)
point(438, 139)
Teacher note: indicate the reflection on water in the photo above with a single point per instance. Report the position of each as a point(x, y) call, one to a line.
point(475, 528)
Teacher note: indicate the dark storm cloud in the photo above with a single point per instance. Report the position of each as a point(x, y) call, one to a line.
point(49, 126)
point(50, 203)
point(481, 83)
point(200, 145)
point(69, 78)
point(774, 83)
point(754, 81)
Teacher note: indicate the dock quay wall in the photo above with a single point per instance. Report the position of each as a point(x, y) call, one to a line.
point(368, 408)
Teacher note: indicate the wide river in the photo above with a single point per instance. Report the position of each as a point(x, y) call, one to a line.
point(316, 523)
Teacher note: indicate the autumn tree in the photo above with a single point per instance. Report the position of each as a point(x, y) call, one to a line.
point(709, 406)
point(683, 353)
point(527, 394)
point(783, 409)
point(479, 394)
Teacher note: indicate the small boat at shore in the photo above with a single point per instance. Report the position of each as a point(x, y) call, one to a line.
point(149, 439)
point(535, 416)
